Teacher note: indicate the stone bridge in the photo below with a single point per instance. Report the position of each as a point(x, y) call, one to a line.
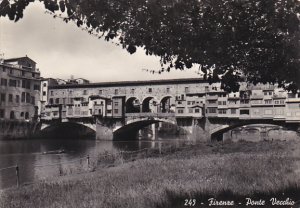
point(202, 129)
point(203, 111)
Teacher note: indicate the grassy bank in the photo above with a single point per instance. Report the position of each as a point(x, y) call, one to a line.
point(225, 171)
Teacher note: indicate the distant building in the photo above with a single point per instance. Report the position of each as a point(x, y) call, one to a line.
point(72, 81)
point(19, 89)
point(45, 83)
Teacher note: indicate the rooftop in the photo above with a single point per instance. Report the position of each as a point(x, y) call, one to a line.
point(130, 83)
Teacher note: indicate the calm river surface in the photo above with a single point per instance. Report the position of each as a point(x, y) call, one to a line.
point(34, 164)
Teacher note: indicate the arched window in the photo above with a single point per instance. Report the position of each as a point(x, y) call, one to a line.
point(12, 115)
point(22, 114)
point(26, 115)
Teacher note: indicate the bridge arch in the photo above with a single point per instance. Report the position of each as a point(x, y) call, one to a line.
point(165, 104)
point(130, 130)
point(217, 132)
point(68, 130)
point(149, 104)
point(132, 105)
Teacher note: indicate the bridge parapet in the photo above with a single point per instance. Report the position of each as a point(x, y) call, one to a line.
point(148, 115)
point(164, 117)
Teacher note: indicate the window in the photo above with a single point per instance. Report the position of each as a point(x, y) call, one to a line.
point(33, 75)
point(168, 90)
point(116, 91)
point(179, 102)
point(132, 91)
point(189, 102)
point(180, 111)
point(222, 111)
point(190, 110)
point(265, 93)
point(116, 111)
point(57, 100)
point(109, 111)
point(10, 98)
point(12, 115)
point(233, 111)
point(11, 71)
point(219, 102)
point(51, 92)
point(4, 69)
point(84, 92)
point(12, 83)
point(150, 90)
point(116, 103)
point(281, 101)
point(26, 115)
point(224, 102)
point(100, 92)
point(36, 87)
point(27, 84)
point(268, 101)
point(44, 93)
point(64, 101)
point(17, 98)
point(70, 92)
point(2, 113)
point(212, 110)
point(212, 101)
point(197, 110)
point(3, 82)
point(32, 100)
point(3, 95)
point(186, 89)
point(270, 93)
point(23, 97)
point(51, 101)
point(28, 97)
point(45, 84)
point(23, 83)
point(244, 112)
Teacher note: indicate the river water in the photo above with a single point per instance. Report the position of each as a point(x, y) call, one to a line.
point(36, 159)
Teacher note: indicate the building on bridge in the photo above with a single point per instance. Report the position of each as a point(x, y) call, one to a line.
point(185, 102)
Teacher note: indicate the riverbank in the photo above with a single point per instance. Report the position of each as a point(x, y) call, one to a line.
point(225, 171)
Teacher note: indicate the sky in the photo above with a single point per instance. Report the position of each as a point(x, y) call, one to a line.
point(62, 49)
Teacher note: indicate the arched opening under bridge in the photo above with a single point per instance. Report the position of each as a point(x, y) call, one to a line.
point(257, 131)
point(132, 131)
point(67, 130)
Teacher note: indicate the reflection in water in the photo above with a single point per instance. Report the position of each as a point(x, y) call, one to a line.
point(34, 164)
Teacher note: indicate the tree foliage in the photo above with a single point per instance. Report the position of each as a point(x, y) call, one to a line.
point(230, 39)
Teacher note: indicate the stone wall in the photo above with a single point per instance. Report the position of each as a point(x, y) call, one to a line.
point(13, 129)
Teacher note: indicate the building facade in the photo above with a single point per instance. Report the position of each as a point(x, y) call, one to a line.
point(19, 89)
point(185, 98)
